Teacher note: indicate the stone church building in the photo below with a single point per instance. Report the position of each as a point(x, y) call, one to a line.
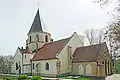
point(45, 57)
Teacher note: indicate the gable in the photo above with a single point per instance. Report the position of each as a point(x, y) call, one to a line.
point(17, 57)
point(74, 42)
point(89, 53)
point(105, 54)
point(17, 52)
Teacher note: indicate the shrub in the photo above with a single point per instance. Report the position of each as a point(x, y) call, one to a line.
point(117, 66)
point(22, 77)
point(7, 78)
point(36, 78)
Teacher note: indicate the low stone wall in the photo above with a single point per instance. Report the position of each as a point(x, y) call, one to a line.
point(113, 77)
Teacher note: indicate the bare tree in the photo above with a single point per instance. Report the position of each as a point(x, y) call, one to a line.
point(1, 64)
point(94, 36)
point(81, 37)
point(112, 36)
point(6, 64)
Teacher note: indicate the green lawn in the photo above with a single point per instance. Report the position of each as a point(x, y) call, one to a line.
point(85, 78)
point(80, 78)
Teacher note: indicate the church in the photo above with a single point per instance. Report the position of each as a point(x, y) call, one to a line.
point(68, 56)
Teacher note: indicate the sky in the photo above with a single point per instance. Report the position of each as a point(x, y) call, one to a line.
point(62, 18)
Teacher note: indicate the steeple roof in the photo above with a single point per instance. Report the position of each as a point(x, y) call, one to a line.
point(36, 25)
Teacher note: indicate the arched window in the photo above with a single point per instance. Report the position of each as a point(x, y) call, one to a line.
point(81, 70)
point(16, 66)
point(33, 66)
point(25, 56)
point(30, 39)
point(88, 69)
point(46, 38)
point(37, 37)
point(47, 66)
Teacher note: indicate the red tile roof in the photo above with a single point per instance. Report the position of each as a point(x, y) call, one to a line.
point(49, 51)
point(26, 51)
point(88, 53)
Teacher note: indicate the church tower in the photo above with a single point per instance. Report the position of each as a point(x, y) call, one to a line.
point(36, 35)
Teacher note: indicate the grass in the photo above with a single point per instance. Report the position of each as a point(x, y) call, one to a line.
point(80, 78)
point(69, 78)
point(85, 78)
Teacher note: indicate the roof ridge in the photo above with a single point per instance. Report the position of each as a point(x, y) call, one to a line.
point(58, 50)
point(58, 40)
point(92, 45)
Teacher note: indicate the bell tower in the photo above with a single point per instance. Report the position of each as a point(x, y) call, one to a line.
point(36, 35)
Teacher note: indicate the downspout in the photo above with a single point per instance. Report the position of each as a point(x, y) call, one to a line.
point(22, 63)
point(31, 66)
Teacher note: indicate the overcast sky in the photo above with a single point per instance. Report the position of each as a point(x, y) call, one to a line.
point(62, 17)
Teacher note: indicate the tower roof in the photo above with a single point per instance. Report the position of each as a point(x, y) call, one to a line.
point(36, 25)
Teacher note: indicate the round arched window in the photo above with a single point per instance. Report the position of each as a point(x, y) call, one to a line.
point(88, 69)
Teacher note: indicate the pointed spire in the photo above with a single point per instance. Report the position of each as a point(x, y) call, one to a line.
point(36, 25)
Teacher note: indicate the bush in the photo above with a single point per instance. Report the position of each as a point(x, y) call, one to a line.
point(117, 66)
point(36, 78)
point(7, 78)
point(22, 77)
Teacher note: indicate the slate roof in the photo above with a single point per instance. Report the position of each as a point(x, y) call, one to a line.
point(49, 51)
point(36, 25)
point(88, 53)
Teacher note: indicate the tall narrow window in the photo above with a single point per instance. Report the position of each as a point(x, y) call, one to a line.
point(16, 66)
point(30, 39)
point(88, 69)
point(47, 66)
point(37, 46)
point(33, 66)
point(37, 37)
point(46, 38)
point(25, 56)
point(106, 67)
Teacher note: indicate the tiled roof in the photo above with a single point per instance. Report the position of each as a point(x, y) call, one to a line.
point(36, 25)
point(25, 51)
point(49, 51)
point(88, 53)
